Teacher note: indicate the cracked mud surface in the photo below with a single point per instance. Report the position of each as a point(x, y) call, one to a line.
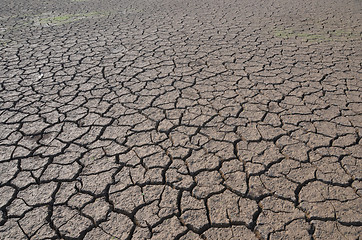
point(234, 119)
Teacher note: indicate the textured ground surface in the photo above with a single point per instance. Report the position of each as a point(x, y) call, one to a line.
point(234, 119)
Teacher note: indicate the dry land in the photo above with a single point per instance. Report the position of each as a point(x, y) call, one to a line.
point(180, 119)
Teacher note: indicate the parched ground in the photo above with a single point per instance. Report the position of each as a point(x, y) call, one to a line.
point(180, 119)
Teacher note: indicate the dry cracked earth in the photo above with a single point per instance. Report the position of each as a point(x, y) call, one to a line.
point(231, 119)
